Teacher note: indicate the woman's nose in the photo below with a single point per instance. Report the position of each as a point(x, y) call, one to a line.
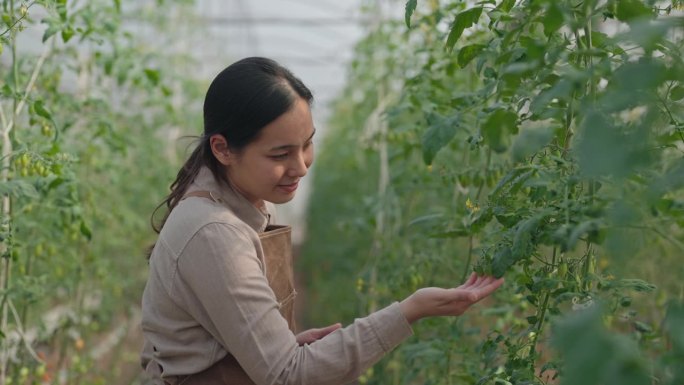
point(300, 165)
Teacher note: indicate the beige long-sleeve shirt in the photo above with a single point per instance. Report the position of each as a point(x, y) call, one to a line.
point(207, 296)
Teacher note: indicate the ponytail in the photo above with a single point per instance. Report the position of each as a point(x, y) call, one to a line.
point(179, 187)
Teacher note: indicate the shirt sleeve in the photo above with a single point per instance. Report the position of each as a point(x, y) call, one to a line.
point(221, 279)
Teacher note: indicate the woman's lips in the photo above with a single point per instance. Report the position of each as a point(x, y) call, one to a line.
point(289, 188)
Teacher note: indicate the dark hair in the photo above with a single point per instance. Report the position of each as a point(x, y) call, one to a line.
point(242, 99)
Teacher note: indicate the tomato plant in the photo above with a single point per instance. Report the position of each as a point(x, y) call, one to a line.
point(90, 112)
point(541, 140)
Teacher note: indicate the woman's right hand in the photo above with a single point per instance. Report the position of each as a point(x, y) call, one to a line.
point(435, 301)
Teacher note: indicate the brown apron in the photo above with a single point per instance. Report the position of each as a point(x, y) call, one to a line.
point(276, 242)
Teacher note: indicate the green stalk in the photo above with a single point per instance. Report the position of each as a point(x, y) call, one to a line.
point(587, 268)
point(6, 207)
point(470, 256)
point(540, 321)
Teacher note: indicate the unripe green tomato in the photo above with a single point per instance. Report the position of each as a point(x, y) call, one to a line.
point(414, 282)
point(39, 249)
point(592, 265)
point(563, 270)
point(24, 172)
point(24, 372)
point(46, 130)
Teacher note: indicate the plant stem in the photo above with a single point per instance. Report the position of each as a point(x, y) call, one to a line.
point(6, 216)
point(542, 310)
point(470, 256)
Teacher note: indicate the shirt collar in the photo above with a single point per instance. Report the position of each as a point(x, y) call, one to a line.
point(256, 218)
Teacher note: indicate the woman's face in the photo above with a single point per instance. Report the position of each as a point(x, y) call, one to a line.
point(270, 168)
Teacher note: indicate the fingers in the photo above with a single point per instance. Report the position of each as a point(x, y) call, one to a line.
point(476, 281)
point(488, 288)
point(471, 279)
point(329, 329)
point(322, 332)
point(481, 287)
point(484, 281)
point(313, 335)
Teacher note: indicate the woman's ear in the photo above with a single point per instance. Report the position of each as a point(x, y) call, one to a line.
point(220, 149)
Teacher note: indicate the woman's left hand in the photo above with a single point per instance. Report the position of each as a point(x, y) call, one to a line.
point(312, 335)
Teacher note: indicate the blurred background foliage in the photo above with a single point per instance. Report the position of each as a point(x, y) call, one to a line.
point(91, 112)
point(540, 140)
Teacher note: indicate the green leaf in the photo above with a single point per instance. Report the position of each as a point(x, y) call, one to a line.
point(85, 230)
point(524, 234)
point(18, 188)
point(498, 127)
point(529, 142)
point(506, 5)
point(517, 175)
point(62, 10)
point(463, 20)
point(468, 53)
point(674, 324)
point(586, 347)
point(589, 226)
point(642, 75)
point(643, 327)
point(437, 136)
point(649, 34)
point(502, 260)
point(410, 7)
point(677, 93)
point(628, 10)
point(67, 34)
point(603, 148)
point(51, 30)
point(40, 109)
point(552, 19)
point(425, 219)
point(638, 285)
point(152, 75)
point(561, 90)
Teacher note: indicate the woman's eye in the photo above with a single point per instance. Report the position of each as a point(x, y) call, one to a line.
point(279, 156)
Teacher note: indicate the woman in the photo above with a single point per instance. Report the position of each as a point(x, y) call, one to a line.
point(217, 307)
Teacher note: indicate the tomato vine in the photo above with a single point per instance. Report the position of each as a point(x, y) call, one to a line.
point(541, 139)
point(85, 107)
